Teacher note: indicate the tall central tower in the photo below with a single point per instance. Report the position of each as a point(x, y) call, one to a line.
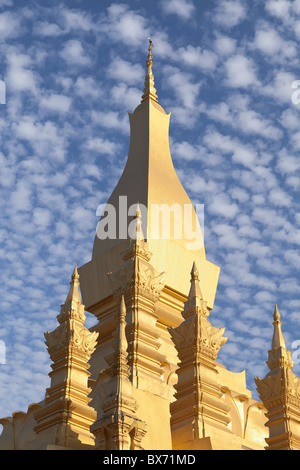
point(149, 178)
point(151, 271)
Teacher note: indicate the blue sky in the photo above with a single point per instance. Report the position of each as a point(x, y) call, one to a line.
point(73, 70)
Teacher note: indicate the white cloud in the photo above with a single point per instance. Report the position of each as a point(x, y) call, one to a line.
point(238, 114)
point(264, 296)
point(280, 198)
point(223, 206)
point(279, 8)
point(289, 285)
point(240, 194)
point(272, 44)
point(241, 153)
point(102, 146)
point(21, 197)
point(85, 87)
point(287, 163)
point(183, 85)
point(240, 72)
point(89, 169)
point(182, 8)
point(10, 25)
point(268, 217)
point(55, 102)
point(76, 20)
point(20, 75)
point(289, 119)
point(44, 28)
point(196, 183)
point(186, 151)
point(73, 53)
point(257, 249)
point(225, 45)
point(197, 57)
point(221, 112)
point(124, 71)
point(66, 21)
point(293, 258)
point(268, 41)
point(111, 120)
point(125, 96)
point(229, 13)
point(251, 122)
point(280, 87)
point(124, 25)
point(162, 45)
point(41, 217)
point(186, 117)
point(47, 139)
point(293, 182)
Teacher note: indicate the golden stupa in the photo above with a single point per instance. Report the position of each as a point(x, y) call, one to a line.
point(147, 376)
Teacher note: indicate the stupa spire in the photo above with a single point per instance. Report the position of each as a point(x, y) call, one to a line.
point(198, 405)
point(278, 339)
point(280, 393)
point(195, 294)
point(149, 90)
point(195, 302)
point(74, 287)
point(65, 418)
point(118, 428)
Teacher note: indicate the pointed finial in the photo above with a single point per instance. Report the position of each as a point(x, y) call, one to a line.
point(278, 339)
point(278, 356)
point(75, 275)
point(195, 293)
point(72, 308)
point(195, 302)
point(194, 273)
point(276, 314)
point(149, 90)
point(74, 287)
point(150, 58)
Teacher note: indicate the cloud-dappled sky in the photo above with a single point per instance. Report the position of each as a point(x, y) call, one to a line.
point(73, 70)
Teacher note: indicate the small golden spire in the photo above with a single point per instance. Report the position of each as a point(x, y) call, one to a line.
point(195, 303)
point(75, 274)
point(74, 287)
point(278, 339)
point(72, 308)
point(195, 294)
point(194, 272)
point(149, 90)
